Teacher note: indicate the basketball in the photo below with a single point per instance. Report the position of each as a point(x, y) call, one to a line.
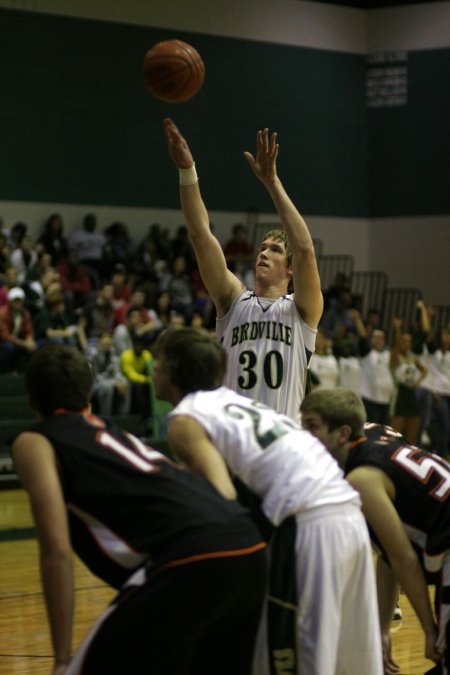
point(173, 71)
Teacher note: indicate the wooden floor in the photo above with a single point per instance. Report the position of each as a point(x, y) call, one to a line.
point(24, 641)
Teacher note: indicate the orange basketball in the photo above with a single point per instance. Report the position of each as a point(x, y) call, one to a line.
point(173, 71)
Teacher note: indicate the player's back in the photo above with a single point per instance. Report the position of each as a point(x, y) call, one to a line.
point(269, 452)
point(128, 502)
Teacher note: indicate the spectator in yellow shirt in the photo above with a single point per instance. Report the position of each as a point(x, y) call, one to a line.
point(134, 364)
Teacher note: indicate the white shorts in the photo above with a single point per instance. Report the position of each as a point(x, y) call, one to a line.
point(336, 611)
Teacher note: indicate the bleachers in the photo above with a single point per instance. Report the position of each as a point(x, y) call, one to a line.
point(16, 417)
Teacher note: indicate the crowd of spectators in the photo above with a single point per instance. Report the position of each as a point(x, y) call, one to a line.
point(104, 293)
point(110, 296)
point(404, 384)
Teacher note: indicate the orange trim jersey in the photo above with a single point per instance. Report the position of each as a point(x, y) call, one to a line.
point(422, 487)
point(128, 504)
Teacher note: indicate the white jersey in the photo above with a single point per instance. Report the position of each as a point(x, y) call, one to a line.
point(286, 466)
point(377, 383)
point(326, 368)
point(268, 346)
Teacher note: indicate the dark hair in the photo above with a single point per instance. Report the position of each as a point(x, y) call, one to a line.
point(336, 407)
point(58, 376)
point(193, 358)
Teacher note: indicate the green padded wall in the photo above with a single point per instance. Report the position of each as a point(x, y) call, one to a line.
point(78, 126)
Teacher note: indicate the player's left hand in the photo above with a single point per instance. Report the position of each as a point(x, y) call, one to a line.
point(264, 163)
point(390, 666)
point(432, 651)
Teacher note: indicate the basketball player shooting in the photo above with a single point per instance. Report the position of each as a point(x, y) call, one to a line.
point(269, 332)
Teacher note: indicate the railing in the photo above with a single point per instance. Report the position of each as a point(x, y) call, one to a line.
point(330, 265)
point(368, 290)
point(399, 303)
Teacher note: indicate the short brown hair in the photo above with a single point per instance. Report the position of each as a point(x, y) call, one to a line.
point(194, 359)
point(58, 376)
point(336, 407)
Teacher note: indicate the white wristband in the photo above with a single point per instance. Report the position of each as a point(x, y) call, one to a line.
point(188, 176)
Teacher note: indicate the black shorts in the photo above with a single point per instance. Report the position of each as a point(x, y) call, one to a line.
point(193, 619)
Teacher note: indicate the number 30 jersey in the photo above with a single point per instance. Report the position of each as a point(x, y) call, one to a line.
point(268, 346)
point(286, 466)
point(422, 487)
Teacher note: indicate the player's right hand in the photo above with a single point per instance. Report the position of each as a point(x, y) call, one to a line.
point(178, 147)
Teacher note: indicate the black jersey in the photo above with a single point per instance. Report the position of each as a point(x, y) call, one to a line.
point(422, 486)
point(129, 504)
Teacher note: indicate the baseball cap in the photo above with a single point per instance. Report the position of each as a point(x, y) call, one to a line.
point(16, 294)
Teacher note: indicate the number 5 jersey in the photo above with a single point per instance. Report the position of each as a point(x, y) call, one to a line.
point(422, 487)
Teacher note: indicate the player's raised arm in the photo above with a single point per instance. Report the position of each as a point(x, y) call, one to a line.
point(222, 285)
point(36, 467)
point(307, 293)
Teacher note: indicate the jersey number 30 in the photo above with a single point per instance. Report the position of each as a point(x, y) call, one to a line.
point(272, 369)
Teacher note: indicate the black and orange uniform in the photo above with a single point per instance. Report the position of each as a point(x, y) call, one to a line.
point(190, 565)
point(422, 500)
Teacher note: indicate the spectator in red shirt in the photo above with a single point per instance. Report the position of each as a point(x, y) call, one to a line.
point(75, 281)
point(16, 332)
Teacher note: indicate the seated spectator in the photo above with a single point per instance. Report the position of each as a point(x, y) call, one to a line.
point(124, 333)
point(16, 234)
point(8, 281)
point(331, 295)
point(5, 255)
point(163, 275)
point(75, 282)
point(52, 325)
point(118, 248)
point(156, 242)
point(121, 287)
point(377, 383)
point(16, 333)
point(98, 313)
point(53, 239)
point(181, 246)
point(150, 324)
point(163, 308)
point(135, 365)
point(337, 320)
point(239, 255)
point(238, 248)
point(323, 365)
point(89, 244)
point(180, 289)
point(42, 264)
point(23, 258)
point(202, 300)
point(110, 391)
